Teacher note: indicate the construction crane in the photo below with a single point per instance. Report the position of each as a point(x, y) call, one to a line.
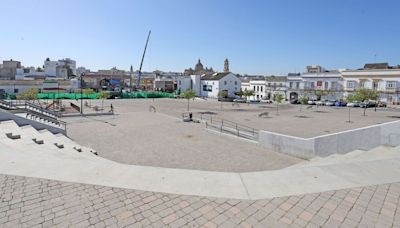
point(141, 63)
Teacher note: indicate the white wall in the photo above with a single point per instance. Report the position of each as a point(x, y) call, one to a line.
point(231, 83)
point(184, 84)
point(214, 84)
point(196, 84)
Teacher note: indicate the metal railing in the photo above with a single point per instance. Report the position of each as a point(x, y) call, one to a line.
point(30, 105)
point(34, 112)
point(230, 127)
point(34, 115)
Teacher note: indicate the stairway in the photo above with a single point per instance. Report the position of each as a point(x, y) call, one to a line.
point(356, 156)
point(26, 139)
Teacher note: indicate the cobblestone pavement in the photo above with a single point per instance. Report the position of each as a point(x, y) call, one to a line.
point(32, 202)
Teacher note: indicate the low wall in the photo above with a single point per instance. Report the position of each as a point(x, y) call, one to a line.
point(22, 121)
point(343, 142)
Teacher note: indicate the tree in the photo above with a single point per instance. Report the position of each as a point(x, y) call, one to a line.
point(351, 98)
point(239, 93)
point(319, 93)
point(303, 100)
point(103, 95)
point(248, 93)
point(365, 95)
point(222, 94)
point(278, 99)
point(30, 94)
point(188, 94)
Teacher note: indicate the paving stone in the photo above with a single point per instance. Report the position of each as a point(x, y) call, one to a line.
point(31, 202)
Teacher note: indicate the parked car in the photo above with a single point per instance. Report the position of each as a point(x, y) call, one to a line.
point(228, 99)
point(340, 104)
point(353, 104)
point(330, 103)
point(320, 103)
point(254, 101)
point(382, 104)
point(266, 101)
point(368, 104)
point(311, 102)
point(239, 100)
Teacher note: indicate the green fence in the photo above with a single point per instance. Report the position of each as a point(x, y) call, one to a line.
point(66, 96)
point(95, 95)
point(147, 95)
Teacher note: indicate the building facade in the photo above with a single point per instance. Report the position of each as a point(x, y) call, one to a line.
point(385, 81)
point(9, 69)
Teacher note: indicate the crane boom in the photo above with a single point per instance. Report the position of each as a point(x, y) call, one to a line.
point(141, 63)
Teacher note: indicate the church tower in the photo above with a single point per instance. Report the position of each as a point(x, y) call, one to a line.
point(226, 65)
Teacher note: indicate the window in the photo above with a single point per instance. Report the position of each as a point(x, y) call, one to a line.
point(351, 84)
point(312, 85)
point(262, 88)
point(297, 85)
point(269, 84)
point(207, 88)
point(235, 82)
point(225, 82)
point(290, 84)
point(362, 84)
point(334, 85)
point(326, 84)
point(254, 88)
point(375, 85)
point(391, 84)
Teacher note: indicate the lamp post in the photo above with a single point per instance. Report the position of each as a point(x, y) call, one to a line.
point(83, 74)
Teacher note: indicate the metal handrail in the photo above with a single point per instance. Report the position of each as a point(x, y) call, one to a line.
point(56, 121)
point(228, 126)
point(43, 110)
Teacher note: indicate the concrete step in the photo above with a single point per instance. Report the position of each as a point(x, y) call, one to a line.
point(357, 156)
point(70, 145)
point(28, 133)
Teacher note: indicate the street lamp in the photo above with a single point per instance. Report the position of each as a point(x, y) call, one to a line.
point(83, 74)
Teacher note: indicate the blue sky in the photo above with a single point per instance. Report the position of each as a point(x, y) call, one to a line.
point(258, 37)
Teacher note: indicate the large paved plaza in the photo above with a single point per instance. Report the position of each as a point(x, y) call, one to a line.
point(134, 135)
point(311, 121)
point(32, 202)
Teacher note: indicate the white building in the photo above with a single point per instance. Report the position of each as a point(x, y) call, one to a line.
point(211, 85)
point(266, 88)
point(63, 68)
point(329, 82)
point(295, 87)
point(381, 78)
point(189, 83)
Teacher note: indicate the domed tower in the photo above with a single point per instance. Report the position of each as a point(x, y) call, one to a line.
point(226, 65)
point(198, 67)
